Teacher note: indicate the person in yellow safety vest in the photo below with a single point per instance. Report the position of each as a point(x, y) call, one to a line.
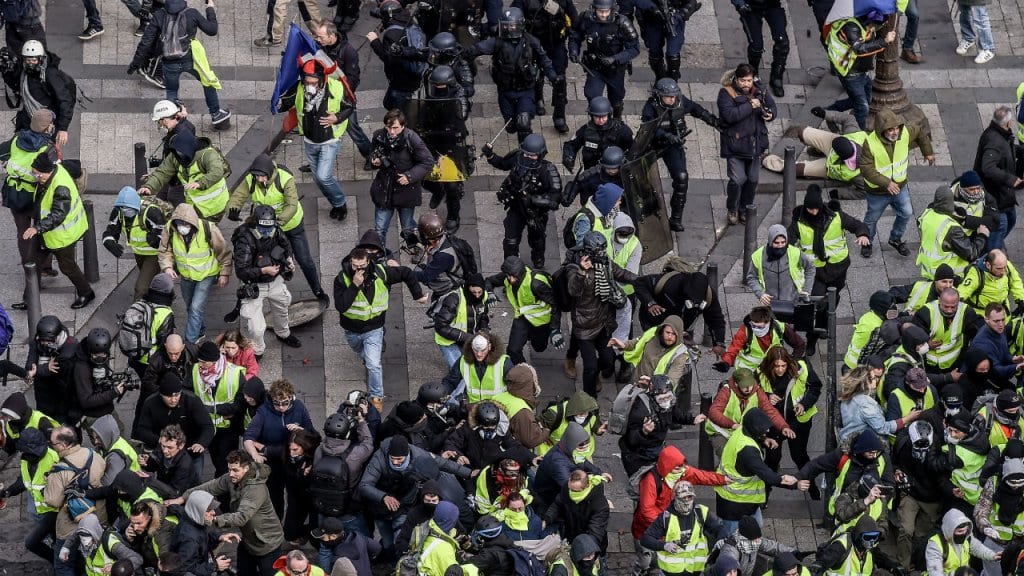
point(974, 202)
point(117, 452)
point(128, 490)
point(855, 552)
point(867, 496)
point(743, 464)
point(910, 354)
point(519, 402)
point(955, 545)
point(18, 416)
point(661, 350)
point(536, 318)
point(881, 307)
point(194, 250)
point(499, 480)
point(1000, 418)
point(203, 170)
point(272, 184)
point(858, 455)
point(884, 164)
point(459, 314)
point(61, 222)
point(786, 564)
point(480, 373)
point(967, 448)
point(759, 332)
point(778, 271)
point(916, 295)
point(142, 222)
point(20, 184)
point(950, 324)
point(999, 514)
point(839, 146)
point(627, 252)
point(37, 459)
point(997, 282)
point(741, 395)
point(295, 563)
point(793, 389)
point(682, 536)
point(915, 393)
point(581, 408)
point(597, 215)
point(851, 46)
point(361, 296)
point(218, 384)
point(945, 239)
point(100, 548)
point(819, 231)
point(439, 550)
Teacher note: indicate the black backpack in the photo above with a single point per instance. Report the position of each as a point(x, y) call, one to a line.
point(465, 254)
point(174, 36)
point(568, 236)
point(328, 484)
point(560, 287)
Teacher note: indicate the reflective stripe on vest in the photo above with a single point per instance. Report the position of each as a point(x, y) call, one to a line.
point(733, 411)
point(796, 273)
point(74, 224)
point(919, 295)
point(693, 553)
point(869, 322)
point(835, 242)
point(622, 256)
point(362, 309)
point(336, 92)
point(1005, 533)
point(894, 168)
point(840, 484)
point(224, 393)
point(968, 476)
point(160, 315)
point(836, 169)
point(95, 564)
point(122, 447)
point(751, 354)
point(209, 201)
point(840, 54)
point(461, 320)
point(900, 356)
point(907, 403)
point(795, 390)
point(951, 338)
point(19, 168)
point(931, 254)
point(483, 387)
point(525, 303)
point(635, 355)
point(743, 489)
point(273, 196)
point(196, 261)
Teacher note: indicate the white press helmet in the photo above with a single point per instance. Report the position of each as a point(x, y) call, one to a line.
point(164, 109)
point(33, 49)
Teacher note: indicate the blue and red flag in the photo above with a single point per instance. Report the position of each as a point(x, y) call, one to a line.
point(299, 43)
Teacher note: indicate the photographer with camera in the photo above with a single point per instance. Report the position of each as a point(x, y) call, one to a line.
point(402, 161)
point(50, 365)
point(338, 465)
point(97, 386)
point(743, 109)
point(263, 261)
point(171, 406)
point(45, 85)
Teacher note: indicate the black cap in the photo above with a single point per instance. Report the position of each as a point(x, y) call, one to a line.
point(328, 526)
point(209, 352)
point(399, 446)
point(44, 164)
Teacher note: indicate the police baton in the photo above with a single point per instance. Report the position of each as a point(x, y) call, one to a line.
point(495, 139)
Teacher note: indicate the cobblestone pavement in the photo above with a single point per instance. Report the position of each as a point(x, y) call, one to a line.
point(956, 95)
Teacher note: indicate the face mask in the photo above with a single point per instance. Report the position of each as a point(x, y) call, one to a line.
point(311, 90)
point(775, 253)
point(580, 419)
point(683, 506)
point(294, 459)
point(960, 538)
point(265, 231)
point(922, 349)
point(623, 238)
point(747, 546)
point(760, 331)
point(950, 440)
point(586, 566)
point(184, 229)
point(129, 212)
point(402, 466)
point(87, 545)
point(579, 456)
point(430, 507)
point(487, 434)
point(665, 405)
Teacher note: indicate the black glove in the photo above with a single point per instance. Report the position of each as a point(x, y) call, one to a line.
point(674, 140)
point(569, 161)
point(235, 214)
point(607, 61)
point(574, 56)
point(113, 247)
point(487, 150)
point(721, 366)
point(744, 8)
point(1018, 310)
point(801, 554)
point(557, 339)
point(818, 111)
point(133, 68)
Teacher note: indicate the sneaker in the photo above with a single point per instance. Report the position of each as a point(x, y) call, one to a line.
point(865, 251)
point(305, 168)
point(141, 28)
point(90, 33)
point(220, 116)
point(340, 212)
point(734, 217)
point(963, 47)
point(900, 246)
point(984, 56)
point(266, 42)
point(743, 217)
point(290, 341)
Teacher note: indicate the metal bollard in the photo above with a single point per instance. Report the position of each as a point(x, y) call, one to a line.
point(141, 164)
point(705, 451)
point(31, 295)
point(92, 261)
point(749, 238)
point(830, 396)
point(712, 274)
point(788, 186)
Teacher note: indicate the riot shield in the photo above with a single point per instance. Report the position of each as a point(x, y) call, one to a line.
point(643, 200)
point(438, 122)
point(643, 142)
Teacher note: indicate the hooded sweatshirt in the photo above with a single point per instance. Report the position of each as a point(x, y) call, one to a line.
point(558, 464)
point(654, 351)
point(192, 541)
point(778, 281)
point(243, 191)
point(956, 240)
point(108, 432)
point(90, 526)
point(884, 120)
point(656, 487)
point(186, 213)
point(934, 553)
point(525, 425)
point(189, 152)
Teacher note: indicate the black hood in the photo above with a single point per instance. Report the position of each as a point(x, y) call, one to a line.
point(16, 406)
point(756, 423)
point(129, 483)
point(254, 388)
point(370, 239)
point(184, 146)
point(175, 6)
point(912, 337)
point(32, 442)
point(263, 164)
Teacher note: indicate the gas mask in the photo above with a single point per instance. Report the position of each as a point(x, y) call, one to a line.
point(868, 540)
point(760, 331)
point(487, 433)
point(921, 440)
point(99, 359)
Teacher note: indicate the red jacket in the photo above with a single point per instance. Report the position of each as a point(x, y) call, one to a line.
point(717, 411)
point(246, 358)
point(789, 336)
point(653, 501)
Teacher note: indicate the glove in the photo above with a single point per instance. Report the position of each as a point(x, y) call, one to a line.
point(720, 366)
point(113, 247)
point(1019, 310)
point(744, 8)
point(607, 61)
point(487, 150)
point(801, 554)
point(235, 214)
point(568, 161)
point(818, 111)
point(674, 140)
point(557, 340)
point(574, 56)
point(672, 548)
point(133, 68)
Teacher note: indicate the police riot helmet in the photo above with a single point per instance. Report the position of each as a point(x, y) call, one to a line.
point(442, 76)
point(388, 10)
point(661, 384)
point(604, 5)
point(444, 43)
point(433, 392)
point(511, 24)
point(666, 88)
point(599, 106)
point(612, 158)
point(487, 414)
point(97, 345)
point(534, 144)
point(595, 243)
point(337, 426)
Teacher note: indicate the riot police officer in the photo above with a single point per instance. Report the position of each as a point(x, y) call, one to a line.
point(447, 142)
point(531, 190)
point(444, 50)
point(594, 137)
point(517, 60)
point(753, 14)
point(663, 28)
point(549, 21)
point(444, 16)
point(670, 107)
point(588, 181)
point(610, 43)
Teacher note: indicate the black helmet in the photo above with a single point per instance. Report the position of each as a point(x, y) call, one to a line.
point(337, 426)
point(599, 106)
point(511, 24)
point(264, 215)
point(534, 144)
point(487, 414)
point(48, 329)
point(388, 9)
point(603, 5)
point(661, 384)
point(430, 226)
point(487, 527)
point(442, 75)
point(97, 345)
point(595, 243)
point(613, 158)
point(666, 87)
point(444, 43)
point(432, 393)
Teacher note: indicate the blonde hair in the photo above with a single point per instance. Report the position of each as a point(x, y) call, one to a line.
point(854, 382)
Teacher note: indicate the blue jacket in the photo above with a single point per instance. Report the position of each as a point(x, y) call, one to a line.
point(553, 473)
point(270, 427)
point(744, 134)
point(998, 351)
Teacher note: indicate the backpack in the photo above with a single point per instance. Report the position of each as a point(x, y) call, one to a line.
point(176, 43)
point(622, 405)
point(328, 484)
point(409, 563)
point(74, 495)
point(135, 330)
point(568, 234)
point(633, 489)
point(465, 254)
point(6, 330)
point(673, 267)
point(560, 288)
point(526, 564)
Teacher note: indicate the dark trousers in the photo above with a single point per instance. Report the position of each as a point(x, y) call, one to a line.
point(18, 34)
point(514, 223)
point(753, 22)
point(858, 96)
point(92, 14)
point(297, 519)
point(147, 267)
point(26, 248)
point(597, 357)
point(614, 80)
point(224, 441)
point(35, 540)
point(452, 192)
point(396, 98)
point(743, 177)
point(820, 288)
point(68, 266)
point(275, 482)
point(359, 138)
point(675, 161)
point(523, 332)
point(300, 247)
point(797, 446)
point(257, 565)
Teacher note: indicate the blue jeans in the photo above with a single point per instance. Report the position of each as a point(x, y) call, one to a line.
point(743, 177)
point(370, 345)
point(858, 96)
point(173, 69)
point(913, 20)
point(64, 568)
point(730, 526)
point(974, 25)
point(1007, 220)
point(388, 527)
point(359, 138)
point(382, 221)
point(321, 163)
point(900, 204)
point(451, 354)
point(195, 295)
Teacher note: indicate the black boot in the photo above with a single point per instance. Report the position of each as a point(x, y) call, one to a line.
point(617, 110)
point(658, 67)
point(436, 195)
point(678, 202)
point(775, 82)
point(559, 97)
point(754, 59)
point(453, 201)
point(538, 93)
point(672, 70)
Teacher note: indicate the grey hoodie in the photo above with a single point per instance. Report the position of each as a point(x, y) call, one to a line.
point(573, 436)
point(356, 459)
point(777, 281)
point(196, 506)
point(933, 555)
point(106, 428)
point(90, 526)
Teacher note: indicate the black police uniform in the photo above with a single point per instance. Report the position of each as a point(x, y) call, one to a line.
point(552, 30)
point(439, 53)
point(529, 192)
point(445, 142)
point(516, 63)
point(753, 14)
point(397, 48)
point(662, 26)
point(592, 140)
point(609, 48)
point(591, 179)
